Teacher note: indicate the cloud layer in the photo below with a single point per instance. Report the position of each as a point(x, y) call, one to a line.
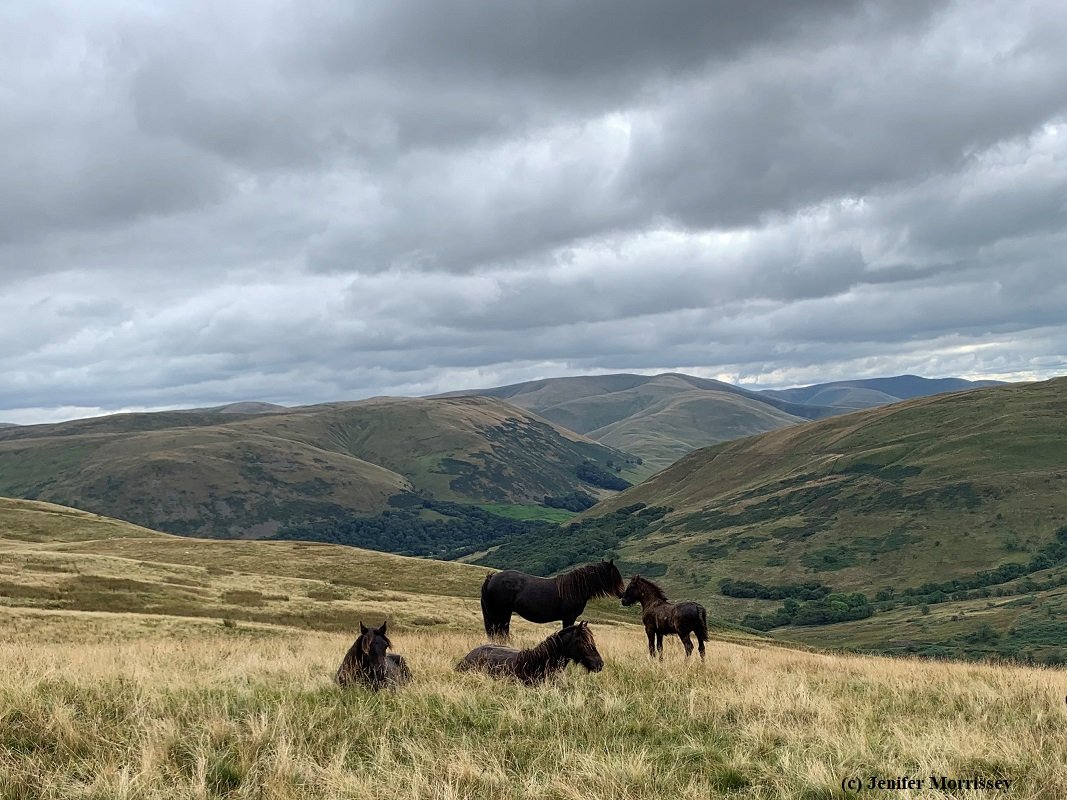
point(301, 202)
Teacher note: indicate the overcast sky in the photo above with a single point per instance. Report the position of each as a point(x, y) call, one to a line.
point(300, 202)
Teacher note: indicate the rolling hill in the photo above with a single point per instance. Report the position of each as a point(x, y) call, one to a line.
point(953, 498)
point(59, 560)
point(871, 392)
point(659, 418)
point(225, 474)
point(662, 417)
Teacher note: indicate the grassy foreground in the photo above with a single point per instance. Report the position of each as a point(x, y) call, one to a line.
point(139, 665)
point(199, 710)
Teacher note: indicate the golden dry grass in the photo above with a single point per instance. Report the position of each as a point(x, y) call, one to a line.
point(101, 700)
point(192, 709)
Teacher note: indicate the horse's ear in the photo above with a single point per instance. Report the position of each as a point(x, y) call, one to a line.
point(381, 628)
point(612, 562)
point(363, 628)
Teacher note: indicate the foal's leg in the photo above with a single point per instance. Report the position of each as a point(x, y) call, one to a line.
point(651, 632)
point(659, 644)
point(686, 643)
point(700, 644)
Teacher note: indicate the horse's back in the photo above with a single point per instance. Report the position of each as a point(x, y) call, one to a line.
point(488, 658)
point(399, 671)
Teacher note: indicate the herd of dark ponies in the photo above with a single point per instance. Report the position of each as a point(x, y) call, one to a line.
point(562, 598)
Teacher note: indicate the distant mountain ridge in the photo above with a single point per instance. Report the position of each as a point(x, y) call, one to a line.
point(663, 417)
point(871, 392)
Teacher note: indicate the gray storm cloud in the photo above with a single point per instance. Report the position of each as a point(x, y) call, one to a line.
point(297, 203)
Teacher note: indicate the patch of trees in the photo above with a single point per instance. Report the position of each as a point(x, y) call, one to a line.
point(811, 590)
point(575, 501)
point(834, 607)
point(595, 475)
point(547, 552)
point(456, 530)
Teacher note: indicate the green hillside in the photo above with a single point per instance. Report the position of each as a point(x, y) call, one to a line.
point(666, 430)
point(940, 499)
point(660, 417)
point(224, 474)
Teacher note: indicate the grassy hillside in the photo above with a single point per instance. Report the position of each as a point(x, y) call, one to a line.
point(226, 474)
point(55, 560)
point(660, 417)
point(666, 430)
point(893, 503)
point(224, 689)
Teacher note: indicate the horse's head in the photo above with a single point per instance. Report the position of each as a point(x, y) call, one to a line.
point(579, 646)
point(373, 642)
point(630, 594)
point(616, 577)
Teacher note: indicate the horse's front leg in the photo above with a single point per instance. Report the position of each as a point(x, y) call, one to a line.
point(659, 644)
point(570, 615)
point(651, 632)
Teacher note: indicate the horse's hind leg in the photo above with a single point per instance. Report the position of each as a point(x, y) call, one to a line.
point(499, 627)
point(700, 643)
point(686, 643)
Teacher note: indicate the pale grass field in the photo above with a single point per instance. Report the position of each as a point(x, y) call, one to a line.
point(167, 707)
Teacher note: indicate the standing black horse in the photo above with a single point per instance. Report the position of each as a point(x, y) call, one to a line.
point(573, 643)
point(661, 616)
point(367, 662)
point(545, 599)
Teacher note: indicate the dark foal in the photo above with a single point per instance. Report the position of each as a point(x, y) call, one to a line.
point(573, 643)
point(368, 663)
point(545, 599)
point(661, 616)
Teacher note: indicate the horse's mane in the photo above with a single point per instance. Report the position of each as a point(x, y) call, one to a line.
point(549, 653)
point(649, 588)
point(587, 583)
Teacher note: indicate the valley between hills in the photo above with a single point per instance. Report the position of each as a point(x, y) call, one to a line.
point(935, 525)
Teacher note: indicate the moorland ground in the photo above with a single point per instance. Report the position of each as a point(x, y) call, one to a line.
point(194, 709)
point(214, 698)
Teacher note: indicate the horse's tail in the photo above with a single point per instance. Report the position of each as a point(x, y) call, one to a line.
point(485, 605)
point(702, 631)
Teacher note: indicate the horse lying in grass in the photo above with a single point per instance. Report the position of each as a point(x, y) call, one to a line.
point(367, 662)
point(544, 599)
point(573, 643)
point(660, 616)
